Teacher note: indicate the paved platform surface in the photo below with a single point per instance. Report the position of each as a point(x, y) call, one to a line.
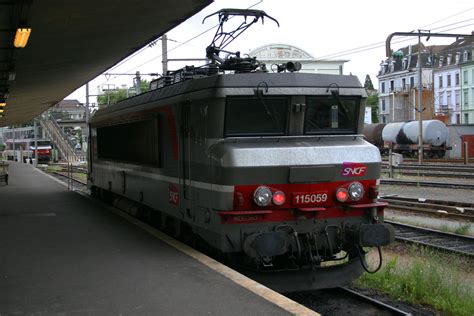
point(64, 254)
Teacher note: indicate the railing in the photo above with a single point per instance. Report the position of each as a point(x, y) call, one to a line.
point(61, 140)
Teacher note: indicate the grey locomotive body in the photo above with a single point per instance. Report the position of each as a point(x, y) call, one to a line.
point(266, 168)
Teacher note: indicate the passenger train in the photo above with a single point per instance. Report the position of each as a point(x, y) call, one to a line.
point(268, 169)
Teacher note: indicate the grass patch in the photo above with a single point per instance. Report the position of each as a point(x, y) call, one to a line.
point(463, 229)
point(53, 168)
point(424, 280)
point(80, 176)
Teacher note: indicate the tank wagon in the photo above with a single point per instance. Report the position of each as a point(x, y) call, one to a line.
point(267, 169)
point(402, 137)
point(373, 134)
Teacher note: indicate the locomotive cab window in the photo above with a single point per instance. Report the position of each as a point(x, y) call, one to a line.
point(331, 115)
point(256, 116)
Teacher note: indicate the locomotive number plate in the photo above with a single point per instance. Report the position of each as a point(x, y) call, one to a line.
point(309, 198)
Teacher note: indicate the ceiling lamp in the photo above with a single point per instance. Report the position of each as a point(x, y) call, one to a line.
point(21, 37)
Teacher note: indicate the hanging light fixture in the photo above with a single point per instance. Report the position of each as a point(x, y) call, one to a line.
point(21, 37)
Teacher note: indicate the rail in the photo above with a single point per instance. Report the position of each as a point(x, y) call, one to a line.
point(457, 210)
point(439, 240)
point(422, 183)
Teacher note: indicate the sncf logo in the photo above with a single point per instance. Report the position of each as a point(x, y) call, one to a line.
point(353, 169)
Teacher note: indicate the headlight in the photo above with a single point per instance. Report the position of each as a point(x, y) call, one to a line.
point(356, 191)
point(262, 196)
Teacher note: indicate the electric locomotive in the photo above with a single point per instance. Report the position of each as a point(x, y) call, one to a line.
point(266, 168)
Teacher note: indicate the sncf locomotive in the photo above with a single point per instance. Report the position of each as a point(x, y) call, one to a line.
point(266, 168)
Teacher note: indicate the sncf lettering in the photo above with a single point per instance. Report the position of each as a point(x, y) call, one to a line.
point(353, 170)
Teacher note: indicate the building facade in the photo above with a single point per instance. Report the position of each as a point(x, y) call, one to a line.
point(399, 88)
point(453, 83)
point(274, 54)
point(467, 87)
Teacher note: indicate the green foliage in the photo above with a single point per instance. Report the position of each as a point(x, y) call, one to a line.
point(424, 280)
point(111, 97)
point(114, 96)
point(368, 83)
point(373, 101)
point(462, 229)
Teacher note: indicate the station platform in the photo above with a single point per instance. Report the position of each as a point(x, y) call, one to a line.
point(64, 253)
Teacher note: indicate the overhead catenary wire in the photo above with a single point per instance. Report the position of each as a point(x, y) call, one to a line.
point(322, 58)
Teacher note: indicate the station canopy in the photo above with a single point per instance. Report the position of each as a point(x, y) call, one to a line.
point(72, 42)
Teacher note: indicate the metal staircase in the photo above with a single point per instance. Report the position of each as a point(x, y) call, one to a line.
point(57, 136)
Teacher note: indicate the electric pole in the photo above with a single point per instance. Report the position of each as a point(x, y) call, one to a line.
point(420, 103)
point(164, 53)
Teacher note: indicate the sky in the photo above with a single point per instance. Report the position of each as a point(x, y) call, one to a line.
point(338, 29)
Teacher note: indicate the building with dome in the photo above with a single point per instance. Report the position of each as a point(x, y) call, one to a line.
point(272, 54)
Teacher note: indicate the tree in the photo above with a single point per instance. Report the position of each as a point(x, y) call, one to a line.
point(368, 83)
point(114, 96)
point(373, 102)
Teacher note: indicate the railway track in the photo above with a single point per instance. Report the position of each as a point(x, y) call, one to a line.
point(460, 244)
point(434, 160)
point(345, 301)
point(65, 177)
point(456, 210)
point(421, 173)
point(424, 183)
point(433, 167)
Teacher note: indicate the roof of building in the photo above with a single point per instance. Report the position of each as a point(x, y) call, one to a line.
point(409, 59)
point(68, 104)
point(462, 47)
point(279, 51)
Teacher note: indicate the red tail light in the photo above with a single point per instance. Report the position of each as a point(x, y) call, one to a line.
point(279, 198)
point(342, 195)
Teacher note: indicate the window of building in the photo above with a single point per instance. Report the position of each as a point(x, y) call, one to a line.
point(458, 118)
point(404, 83)
point(464, 56)
point(458, 57)
point(448, 98)
point(412, 82)
point(392, 85)
point(457, 79)
point(384, 119)
point(441, 60)
point(465, 99)
point(448, 81)
point(440, 81)
point(383, 87)
point(466, 118)
point(448, 62)
point(457, 98)
point(383, 105)
point(464, 74)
